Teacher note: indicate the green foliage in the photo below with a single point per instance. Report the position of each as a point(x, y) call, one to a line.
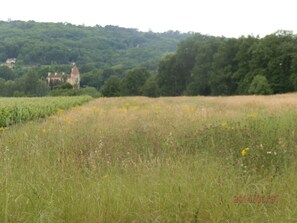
point(33, 86)
point(91, 91)
point(29, 84)
point(100, 52)
point(34, 43)
point(168, 75)
point(151, 88)
point(93, 79)
point(201, 65)
point(112, 87)
point(6, 73)
point(293, 81)
point(206, 65)
point(63, 86)
point(2, 86)
point(132, 83)
point(260, 85)
point(14, 110)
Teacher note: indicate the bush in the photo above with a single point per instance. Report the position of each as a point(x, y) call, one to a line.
point(91, 91)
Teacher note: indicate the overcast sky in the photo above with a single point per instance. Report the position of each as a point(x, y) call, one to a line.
point(230, 18)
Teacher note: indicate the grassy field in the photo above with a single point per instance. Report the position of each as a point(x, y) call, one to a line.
point(184, 159)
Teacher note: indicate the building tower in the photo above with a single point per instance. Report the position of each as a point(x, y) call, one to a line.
point(74, 78)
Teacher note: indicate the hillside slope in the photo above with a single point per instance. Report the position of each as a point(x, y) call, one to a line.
point(35, 43)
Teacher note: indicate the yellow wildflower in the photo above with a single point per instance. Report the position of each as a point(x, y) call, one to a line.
point(224, 125)
point(244, 151)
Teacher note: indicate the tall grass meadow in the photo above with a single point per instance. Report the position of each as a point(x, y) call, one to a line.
point(136, 159)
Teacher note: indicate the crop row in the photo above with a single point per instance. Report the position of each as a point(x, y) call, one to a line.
point(14, 110)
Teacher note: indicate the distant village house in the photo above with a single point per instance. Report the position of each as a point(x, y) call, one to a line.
point(10, 62)
point(73, 79)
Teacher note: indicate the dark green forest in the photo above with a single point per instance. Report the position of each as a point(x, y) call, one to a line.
point(115, 61)
point(207, 65)
point(99, 52)
point(34, 43)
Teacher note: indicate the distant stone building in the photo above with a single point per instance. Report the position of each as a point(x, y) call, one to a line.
point(73, 79)
point(10, 62)
point(55, 78)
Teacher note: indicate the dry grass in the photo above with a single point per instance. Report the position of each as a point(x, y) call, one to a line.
point(153, 160)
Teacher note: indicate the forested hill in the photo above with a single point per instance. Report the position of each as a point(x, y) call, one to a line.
point(34, 43)
point(120, 61)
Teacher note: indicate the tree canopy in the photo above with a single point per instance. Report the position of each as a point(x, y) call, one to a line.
point(34, 43)
point(125, 62)
point(207, 65)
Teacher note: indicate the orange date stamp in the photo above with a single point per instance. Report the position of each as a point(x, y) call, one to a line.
point(256, 199)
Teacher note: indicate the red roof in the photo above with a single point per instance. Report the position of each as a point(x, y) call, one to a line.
point(74, 71)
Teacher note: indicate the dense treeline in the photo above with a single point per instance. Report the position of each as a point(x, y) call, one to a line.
point(31, 81)
point(137, 81)
point(206, 65)
point(34, 43)
point(124, 62)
